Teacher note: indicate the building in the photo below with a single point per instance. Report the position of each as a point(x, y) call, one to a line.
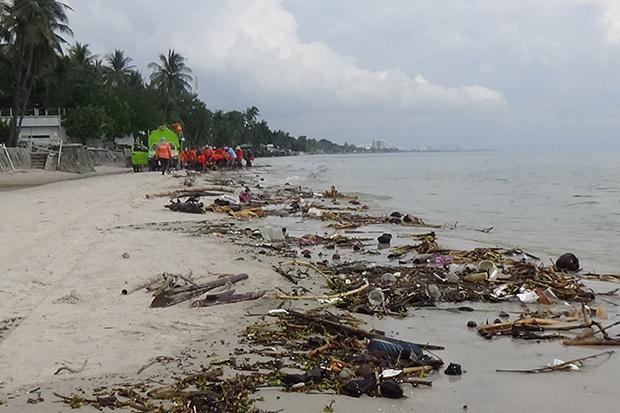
point(380, 145)
point(40, 127)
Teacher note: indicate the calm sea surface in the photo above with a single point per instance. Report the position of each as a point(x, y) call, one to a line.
point(547, 204)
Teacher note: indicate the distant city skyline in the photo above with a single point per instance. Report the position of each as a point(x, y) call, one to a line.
point(507, 74)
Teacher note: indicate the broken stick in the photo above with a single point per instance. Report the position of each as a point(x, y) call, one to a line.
point(557, 367)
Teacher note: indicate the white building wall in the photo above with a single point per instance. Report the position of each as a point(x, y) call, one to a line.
point(41, 129)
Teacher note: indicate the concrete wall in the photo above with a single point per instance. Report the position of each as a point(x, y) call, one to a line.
point(19, 156)
point(108, 157)
point(75, 158)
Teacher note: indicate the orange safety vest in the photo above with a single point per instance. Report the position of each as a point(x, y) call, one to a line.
point(163, 151)
point(191, 155)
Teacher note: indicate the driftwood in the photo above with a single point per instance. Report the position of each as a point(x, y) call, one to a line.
point(587, 338)
point(143, 285)
point(185, 192)
point(352, 331)
point(176, 295)
point(228, 297)
point(326, 297)
point(557, 367)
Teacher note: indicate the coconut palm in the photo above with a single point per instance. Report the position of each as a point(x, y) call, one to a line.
point(33, 29)
point(118, 68)
point(134, 79)
point(171, 76)
point(79, 53)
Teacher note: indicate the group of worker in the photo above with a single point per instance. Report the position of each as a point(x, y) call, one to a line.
point(191, 158)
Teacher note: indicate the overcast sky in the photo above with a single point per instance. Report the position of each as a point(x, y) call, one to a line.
point(505, 74)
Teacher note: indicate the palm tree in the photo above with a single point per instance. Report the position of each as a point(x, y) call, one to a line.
point(171, 77)
point(118, 68)
point(81, 55)
point(33, 30)
point(134, 79)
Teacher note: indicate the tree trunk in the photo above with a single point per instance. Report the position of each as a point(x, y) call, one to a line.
point(19, 100)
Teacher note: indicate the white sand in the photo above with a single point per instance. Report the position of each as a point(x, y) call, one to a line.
point(57, 240)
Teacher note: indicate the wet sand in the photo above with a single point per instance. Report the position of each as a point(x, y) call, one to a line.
point(66, 240)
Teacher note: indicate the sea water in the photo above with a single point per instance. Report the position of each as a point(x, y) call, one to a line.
point(545, 203)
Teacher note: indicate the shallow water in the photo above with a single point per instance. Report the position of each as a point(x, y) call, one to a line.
point(549, 203)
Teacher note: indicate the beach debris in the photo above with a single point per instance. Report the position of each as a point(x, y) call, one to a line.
point(424, 283)
point(385, 239)
point(125, 255)
point(453, 369)
point(237, 211)
point(171, 292)
point(574, 327)
point(330, 352)
point(559, 365)
point(527, 296)
point(228, 297)
point(210, 190)
point(588, 336)
point(71, 298)
point(192, 205)
point(567, 262)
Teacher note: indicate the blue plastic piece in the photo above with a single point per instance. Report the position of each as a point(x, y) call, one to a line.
point(396, 348)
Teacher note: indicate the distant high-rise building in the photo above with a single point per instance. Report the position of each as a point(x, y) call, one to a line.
point(380, 145)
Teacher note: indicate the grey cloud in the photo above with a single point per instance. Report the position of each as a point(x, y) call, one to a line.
point(474, 72)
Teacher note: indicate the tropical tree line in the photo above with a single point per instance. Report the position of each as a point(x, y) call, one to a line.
point(106, 96)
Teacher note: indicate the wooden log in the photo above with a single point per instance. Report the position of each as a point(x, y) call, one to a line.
point(228, 297)
point(175, 296)
point(183, 192)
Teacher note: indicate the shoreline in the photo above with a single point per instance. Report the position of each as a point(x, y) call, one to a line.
point(67, 237)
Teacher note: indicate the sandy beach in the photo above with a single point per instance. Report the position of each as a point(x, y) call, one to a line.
point(63, 270)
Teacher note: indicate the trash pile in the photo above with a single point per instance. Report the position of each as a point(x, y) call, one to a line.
point(332, 353)
point(574, 327)
point(299, 352)
point(444, 276)
point(322, 351)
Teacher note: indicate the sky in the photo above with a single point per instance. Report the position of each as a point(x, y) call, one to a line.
point(495, 74)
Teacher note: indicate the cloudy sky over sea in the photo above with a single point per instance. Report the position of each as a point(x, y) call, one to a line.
point(505, 74)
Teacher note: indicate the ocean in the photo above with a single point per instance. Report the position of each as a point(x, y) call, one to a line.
point(542, 203)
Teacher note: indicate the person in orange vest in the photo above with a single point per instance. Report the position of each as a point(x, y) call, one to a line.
point(207, 152)
point(220, 157)
point(192, 158)
point(183, 157)
point(163, 151)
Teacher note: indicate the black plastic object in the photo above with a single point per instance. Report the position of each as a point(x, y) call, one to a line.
point(568, 262)
point(391, 389)
point(453, 370)
point(357, 387)
point(385, 239)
